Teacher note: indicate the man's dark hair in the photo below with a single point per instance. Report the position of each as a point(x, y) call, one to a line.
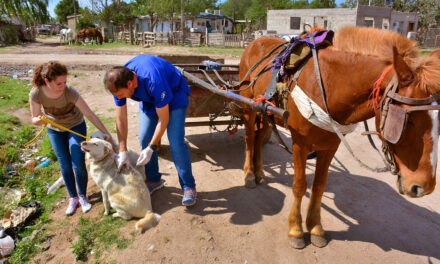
point(117, 78)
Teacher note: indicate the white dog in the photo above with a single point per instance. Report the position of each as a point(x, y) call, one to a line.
point(125, 191)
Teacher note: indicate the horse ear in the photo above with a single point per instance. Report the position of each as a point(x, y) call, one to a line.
point(403, 71)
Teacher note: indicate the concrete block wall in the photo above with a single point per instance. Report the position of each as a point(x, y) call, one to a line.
point(279, 20)
point(383, 17)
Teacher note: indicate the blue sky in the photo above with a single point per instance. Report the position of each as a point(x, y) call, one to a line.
point(83, 3)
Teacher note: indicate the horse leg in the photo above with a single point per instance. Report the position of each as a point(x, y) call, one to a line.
point(261, 135)
point(313, 221)
point(249, 176)
point(299, 188)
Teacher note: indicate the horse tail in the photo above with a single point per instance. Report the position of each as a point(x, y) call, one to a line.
point(148, 221)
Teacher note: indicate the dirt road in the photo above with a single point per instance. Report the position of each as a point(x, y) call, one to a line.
point(365, 217)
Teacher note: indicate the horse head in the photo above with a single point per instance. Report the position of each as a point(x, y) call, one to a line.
point(408, 123)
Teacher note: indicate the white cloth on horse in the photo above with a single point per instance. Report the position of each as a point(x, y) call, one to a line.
point(315, 114)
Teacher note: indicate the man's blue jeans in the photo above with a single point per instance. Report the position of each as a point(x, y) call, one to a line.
point(178, 146)
point(67, 148)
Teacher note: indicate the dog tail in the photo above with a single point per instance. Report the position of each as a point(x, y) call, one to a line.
point(148, 221)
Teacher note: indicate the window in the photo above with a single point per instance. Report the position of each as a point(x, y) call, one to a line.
point(369, 22)
point(385, 23)
point(411, 26)
point(295, 23)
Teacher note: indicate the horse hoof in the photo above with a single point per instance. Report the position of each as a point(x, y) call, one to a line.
point(261, 181)
point(297, 243)
point(250, 183)
point(318, 241)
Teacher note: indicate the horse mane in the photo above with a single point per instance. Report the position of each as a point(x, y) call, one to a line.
point(428, 74)
point(311, 30)
point(375, 42)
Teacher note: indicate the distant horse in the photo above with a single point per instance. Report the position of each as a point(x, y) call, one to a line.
point(66, 36)
point(358, 59)
point(89, 34)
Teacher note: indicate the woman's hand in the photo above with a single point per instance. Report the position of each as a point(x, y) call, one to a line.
point(36, 120)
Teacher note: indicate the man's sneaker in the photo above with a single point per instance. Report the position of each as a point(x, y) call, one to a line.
point(154, 186)
point(85, 204)
point(73, 204)
point(189, 197)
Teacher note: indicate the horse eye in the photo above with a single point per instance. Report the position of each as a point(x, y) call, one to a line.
point(96, 144)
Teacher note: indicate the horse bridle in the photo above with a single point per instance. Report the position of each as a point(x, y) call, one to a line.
point(393, 118)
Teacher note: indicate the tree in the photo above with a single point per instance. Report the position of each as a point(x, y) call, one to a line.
point(166, 9)
point(195, 7)
point(257, 12)
point(349, 4)
point(323, 4)
point(372, 2)
point(30, 11)
point(236, 8)
point(119, 12)
point(66, 8)
point(146, 7)
point(426, 9)
point(88, 19)
point(300, 4)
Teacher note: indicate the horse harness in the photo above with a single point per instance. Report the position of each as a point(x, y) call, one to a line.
point(393, 118)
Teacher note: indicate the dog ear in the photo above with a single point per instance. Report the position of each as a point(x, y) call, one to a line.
point(100, 135)
point(107, 148)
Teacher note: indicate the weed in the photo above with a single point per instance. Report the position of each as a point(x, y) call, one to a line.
point(98, 235)
point(109, 123)
point(23, 134)
point(9, 124)
point(13, 93)
point(45, 148)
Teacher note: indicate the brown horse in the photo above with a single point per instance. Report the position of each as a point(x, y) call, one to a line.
point(91, 34)
point(349, 70)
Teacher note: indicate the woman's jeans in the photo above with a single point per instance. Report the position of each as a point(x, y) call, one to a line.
point(178, 147)
point(67, 148)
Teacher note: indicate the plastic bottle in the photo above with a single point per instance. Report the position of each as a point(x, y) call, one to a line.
point(57, 184)
point(43, 164)
point(7, 245)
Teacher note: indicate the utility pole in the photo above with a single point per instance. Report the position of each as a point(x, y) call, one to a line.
point(74, 11)
point(182, 21)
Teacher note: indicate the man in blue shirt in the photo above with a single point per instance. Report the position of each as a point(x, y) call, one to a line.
point(162, 93)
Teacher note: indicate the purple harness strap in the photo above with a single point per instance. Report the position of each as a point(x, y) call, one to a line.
point(321, 37)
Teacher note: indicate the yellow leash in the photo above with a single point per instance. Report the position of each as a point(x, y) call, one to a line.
point(52, 123)
point(35, 138)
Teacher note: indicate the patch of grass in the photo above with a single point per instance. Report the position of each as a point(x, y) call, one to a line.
point(13, 93)
point(236, 52)
point(98, 235)
point(105, 45)
point(13, 136)
point(109, 123)
point(35, 186)
point(11, 128)
point(201, 50)
point(45, 148)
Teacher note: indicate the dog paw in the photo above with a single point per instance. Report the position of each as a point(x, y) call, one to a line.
point(106, 213)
